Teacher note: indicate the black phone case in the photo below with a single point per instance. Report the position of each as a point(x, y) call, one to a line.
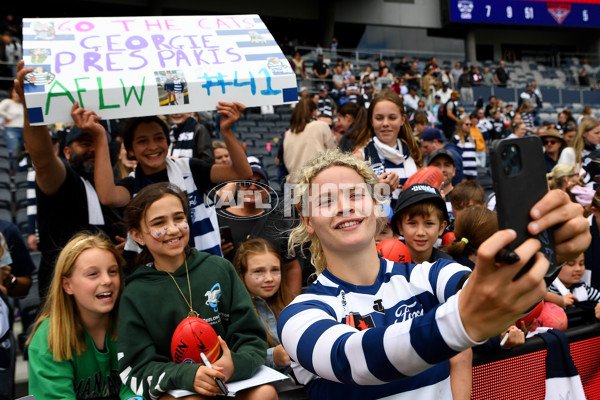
point(225, 232)
point(516, 195)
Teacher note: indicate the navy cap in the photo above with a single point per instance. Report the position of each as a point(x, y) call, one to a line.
point(431, 134)
point(74, 134)
point(418, 193)
point(257, 168)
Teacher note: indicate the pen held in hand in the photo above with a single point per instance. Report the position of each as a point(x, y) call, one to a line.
point(220, 383)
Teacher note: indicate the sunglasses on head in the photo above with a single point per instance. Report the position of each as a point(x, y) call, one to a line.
point(256, 182)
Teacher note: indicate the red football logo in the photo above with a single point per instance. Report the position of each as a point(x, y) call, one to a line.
point(194, 336)
point(430, 175)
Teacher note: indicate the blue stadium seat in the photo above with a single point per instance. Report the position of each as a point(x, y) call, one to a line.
point(271, 117)
point(21, 179)
point(252, 135)
point(260, 129)
point(506, 94)
point(550, 95)
point(245, 123)
point(254, 117)
point(21, 220)
point(482, 91)
point(6, 215)
point(267, 124)
point(571, 96)
point(257, 151)
point(5, 199)
point(4, 164)
point(591, 97)
point(4, 180)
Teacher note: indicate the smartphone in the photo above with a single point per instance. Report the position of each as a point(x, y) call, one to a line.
point(226, 234)
point(519, 176)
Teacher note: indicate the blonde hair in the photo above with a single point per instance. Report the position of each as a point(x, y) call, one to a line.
point(459, 132)
point(66, 335)
point(331, 158)
point(557, 176)
point(586, 125)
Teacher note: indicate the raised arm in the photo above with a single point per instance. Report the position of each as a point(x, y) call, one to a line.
point(239, 167)
point(50, 170)
point(491, 300)
point(108, 193)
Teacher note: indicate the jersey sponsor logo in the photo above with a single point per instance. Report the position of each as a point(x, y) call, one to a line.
point(378, 306)
point(212, 297)
point(404, 312)
point(362, 323)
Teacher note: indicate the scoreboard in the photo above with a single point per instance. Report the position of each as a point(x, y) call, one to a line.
point(572, 13)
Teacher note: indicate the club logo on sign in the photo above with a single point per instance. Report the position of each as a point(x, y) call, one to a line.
point(465, 7)
point(559, 11)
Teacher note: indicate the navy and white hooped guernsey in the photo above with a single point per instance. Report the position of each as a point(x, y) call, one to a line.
point(407, 326)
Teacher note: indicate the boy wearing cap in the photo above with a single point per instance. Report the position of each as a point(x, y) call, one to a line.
point(420, 217)
point(432, 139)
point(443, 159)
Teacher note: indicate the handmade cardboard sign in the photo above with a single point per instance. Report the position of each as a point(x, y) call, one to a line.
point(134, 66)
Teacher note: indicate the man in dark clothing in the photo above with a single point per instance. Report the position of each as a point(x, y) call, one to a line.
point(67, 202)
point(321, 71)
point(450, 114)
point(500, 75)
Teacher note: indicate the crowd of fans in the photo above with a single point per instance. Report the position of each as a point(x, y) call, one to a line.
point(152, 184)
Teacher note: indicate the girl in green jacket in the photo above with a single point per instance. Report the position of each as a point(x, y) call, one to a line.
point(73, 349)
point(171, 283)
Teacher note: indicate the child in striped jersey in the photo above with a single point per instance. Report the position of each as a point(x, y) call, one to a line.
point(568, 289)
point(370, 328)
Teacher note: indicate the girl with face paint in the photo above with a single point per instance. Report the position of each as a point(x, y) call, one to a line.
point(172, 282)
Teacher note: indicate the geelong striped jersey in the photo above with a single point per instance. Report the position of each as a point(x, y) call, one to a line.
point(391, 339)
point(468, 155)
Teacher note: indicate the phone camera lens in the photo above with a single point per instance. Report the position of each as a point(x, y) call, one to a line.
point(507, 170)
point(504, 153)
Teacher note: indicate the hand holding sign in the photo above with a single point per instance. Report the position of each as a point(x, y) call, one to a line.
point(230, 113)
point(20, 81)
point(87, 120)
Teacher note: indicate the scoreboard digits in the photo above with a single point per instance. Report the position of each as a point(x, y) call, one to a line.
point(578, 13)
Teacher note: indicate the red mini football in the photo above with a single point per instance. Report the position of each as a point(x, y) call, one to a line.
point(193, 336)
point(393, 250)
point(530, 317)
point(432, 176)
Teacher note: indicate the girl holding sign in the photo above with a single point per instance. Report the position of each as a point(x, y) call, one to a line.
point(147, 139)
